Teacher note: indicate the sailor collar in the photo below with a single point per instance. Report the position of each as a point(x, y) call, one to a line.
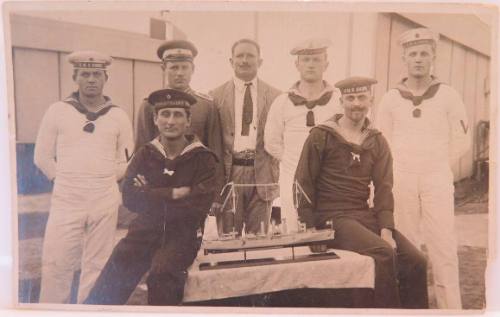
point(431, 91)
point(367, 131)
point(194, 143)
point(294, 93)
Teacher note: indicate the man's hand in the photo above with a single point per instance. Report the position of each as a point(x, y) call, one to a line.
point(180, 192)
point(215, 209)
point(318, 248)
point(386, 235)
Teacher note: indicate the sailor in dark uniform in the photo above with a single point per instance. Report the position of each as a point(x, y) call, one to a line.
point(177, 64)
point(170, 185)
point(339, 159)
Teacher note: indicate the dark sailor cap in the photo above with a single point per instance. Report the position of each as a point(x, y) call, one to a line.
point(171, 98)
point(177, 50)
point(355, 84)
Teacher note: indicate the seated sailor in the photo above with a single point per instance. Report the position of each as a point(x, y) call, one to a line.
point(339, 160)
point(170, 183)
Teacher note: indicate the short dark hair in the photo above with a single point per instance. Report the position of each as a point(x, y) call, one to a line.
point(249, 41)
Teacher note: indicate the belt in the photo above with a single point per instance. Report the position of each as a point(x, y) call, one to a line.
point(243, 161)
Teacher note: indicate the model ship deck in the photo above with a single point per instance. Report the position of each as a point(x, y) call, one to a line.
point(275, 241)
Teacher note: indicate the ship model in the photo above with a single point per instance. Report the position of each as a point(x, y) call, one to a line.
point(239, 248)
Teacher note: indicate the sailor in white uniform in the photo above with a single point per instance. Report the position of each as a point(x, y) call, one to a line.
point(308, 103)
point(81, 146)
point(426, 125)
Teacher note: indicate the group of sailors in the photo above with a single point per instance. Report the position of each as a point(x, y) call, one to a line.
point(188, 145)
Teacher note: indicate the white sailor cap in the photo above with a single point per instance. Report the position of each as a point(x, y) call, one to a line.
point(89, 60)
point(311, 46)
point(418, 36)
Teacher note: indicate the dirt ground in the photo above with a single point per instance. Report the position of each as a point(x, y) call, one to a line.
point(471, 223)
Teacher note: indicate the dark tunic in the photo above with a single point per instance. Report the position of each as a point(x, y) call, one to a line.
point(205, 124)
point(163, 238)
point(335, 175)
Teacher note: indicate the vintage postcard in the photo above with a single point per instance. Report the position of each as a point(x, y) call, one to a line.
point(253, 157)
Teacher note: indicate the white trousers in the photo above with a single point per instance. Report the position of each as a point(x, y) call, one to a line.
point(424, 213)
point(79, 235)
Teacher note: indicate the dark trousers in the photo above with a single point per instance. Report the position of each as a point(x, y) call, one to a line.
point(166, 254)
point(250, 208)
point(400, 275)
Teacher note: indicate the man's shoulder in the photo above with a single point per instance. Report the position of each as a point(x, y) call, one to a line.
point(269, 88)
point(447, 89)
point(119, 112)
point(220, 89)
point(202, 97)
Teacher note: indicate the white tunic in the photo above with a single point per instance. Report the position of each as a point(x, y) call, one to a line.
point(431, 142)
point(85, 198)
point(284, 137)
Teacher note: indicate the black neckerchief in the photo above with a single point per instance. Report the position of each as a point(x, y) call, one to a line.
point(299, 100)
point(417, 100)
point(74, 100)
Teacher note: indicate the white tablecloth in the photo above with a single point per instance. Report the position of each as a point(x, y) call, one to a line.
point(351, 270)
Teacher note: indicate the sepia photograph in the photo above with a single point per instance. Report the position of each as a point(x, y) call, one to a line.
point(212, 156)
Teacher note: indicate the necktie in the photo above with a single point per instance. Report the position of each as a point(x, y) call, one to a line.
point(247, 111)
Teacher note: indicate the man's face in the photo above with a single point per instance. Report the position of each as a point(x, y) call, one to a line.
point(311, 67)
point(245, 61)
point(172, 123)
point(179, 74)
point(90, 81)
point(419, 60)
point(356, 105)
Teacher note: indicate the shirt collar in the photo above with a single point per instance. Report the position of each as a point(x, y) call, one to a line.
point(240, 84)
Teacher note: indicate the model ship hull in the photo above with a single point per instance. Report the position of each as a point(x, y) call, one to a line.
point(277, 241)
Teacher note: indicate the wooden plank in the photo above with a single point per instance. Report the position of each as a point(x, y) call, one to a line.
point(53, 35)
point(147, 78)
point(382, 58)
point(120, 85)
point(442, 63)
point(482, 88)
point(36, 87)
point(457, 77)
point(469, 95)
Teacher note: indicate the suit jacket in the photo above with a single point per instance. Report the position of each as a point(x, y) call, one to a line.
point(266, 167)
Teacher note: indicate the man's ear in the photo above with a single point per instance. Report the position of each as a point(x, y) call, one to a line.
point(259, 62)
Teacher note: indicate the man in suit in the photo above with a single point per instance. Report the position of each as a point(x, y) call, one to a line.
point(243, 103)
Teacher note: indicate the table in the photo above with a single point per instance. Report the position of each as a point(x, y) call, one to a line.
point(351, 270)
